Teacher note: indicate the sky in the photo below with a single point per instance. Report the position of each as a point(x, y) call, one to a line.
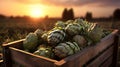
point(54, 8)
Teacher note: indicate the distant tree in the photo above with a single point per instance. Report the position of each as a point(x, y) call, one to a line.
point(64, 14)
point(25, 17)
point(67, 14)
point(88, 16)
point(18, 17)
point(116, 14)
point(11, 17)
point(70, 14)
point(2, 16)
point(46, 17)
point(116, 17)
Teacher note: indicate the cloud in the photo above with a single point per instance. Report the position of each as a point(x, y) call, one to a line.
point(99, 3)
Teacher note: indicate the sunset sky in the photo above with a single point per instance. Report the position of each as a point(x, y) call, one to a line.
point(54, 8)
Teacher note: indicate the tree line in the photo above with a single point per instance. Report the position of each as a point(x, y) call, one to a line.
point(69, 14)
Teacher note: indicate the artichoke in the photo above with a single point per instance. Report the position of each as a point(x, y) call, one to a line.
point(65, 49)
point(86, 26)
point(45, 51)
point(79, 21)
point(80, 40)
point(39, 33)
point(73, 29)
point(55, 36)
point(60, 24)
point(96, 34)
point(69, 22)
point(44, 37)
point(30, 42)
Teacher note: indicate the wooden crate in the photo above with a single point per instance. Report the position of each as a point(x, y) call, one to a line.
point(103, 54)
point(1, 61)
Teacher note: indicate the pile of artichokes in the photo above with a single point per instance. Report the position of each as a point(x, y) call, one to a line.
point(65, 39)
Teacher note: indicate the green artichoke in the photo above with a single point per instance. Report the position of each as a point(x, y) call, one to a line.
point(73, 29)
point(30, 42)
point(44, 36)
point(39, 33)
point(86, 26)
point(80, 40)
point(45, 51)
point(79, 21)
point(60, 24)
point(96, 34)
point(69, 22)
point(55, 36)
point(65, 49)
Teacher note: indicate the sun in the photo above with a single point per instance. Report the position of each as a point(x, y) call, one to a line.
point(36, 12)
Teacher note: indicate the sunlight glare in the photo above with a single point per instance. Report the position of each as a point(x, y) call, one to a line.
point(36, 12)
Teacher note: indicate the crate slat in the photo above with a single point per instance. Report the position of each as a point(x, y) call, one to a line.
point(15, 44)
point(100, 59)
point(30, 60)
point(108, 62)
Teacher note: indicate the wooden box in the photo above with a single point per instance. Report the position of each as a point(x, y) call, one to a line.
point(103, 54)
point(1, 61)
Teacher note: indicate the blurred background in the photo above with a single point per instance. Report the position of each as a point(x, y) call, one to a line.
point(19, 17)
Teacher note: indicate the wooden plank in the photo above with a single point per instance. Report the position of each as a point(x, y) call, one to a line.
point(119, 54)
point(1, 63)
point(118, 64)
point(108, 62)
point(115, 54)
point(1, 56)
point(100, 59)
point(16, 44)
point(86, 54)
point(29, 59)
point(7, 57)
point(6, 52)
